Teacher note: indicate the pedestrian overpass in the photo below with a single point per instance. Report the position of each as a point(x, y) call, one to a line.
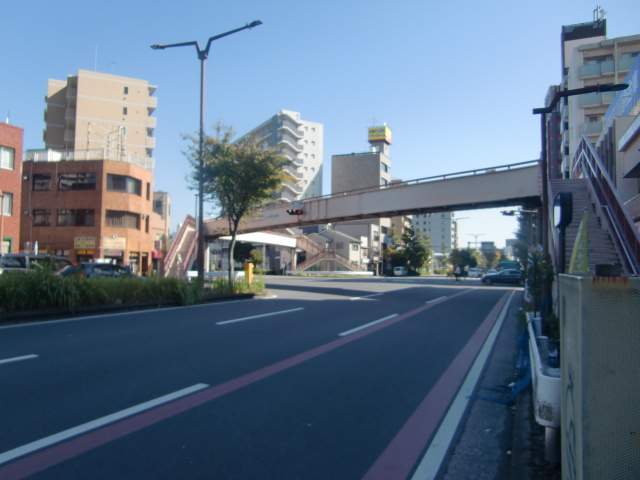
point(502, 186)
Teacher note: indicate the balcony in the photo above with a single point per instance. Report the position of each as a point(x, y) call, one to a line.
point(596, 69)
point(288, 128)
point(591, 128)
point(70, 114)
point(151, 122)
point(596, 99)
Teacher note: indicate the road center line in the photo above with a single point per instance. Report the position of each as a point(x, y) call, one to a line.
point(362, 327)
point(366, 296)
point(435, 300)
point(235, 320)
point(18, 359)
point(94, 424)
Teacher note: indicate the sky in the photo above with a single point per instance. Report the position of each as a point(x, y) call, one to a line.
point(455, 81)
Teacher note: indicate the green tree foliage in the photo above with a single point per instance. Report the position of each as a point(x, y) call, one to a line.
point(463, 257)
point(492, 258)
point(240, 176)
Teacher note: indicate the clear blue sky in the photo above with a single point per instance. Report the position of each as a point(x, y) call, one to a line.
point(455, 81)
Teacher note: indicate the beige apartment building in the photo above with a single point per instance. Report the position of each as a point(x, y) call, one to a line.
point(89, 194)
point(588, 58)
point(92, 111)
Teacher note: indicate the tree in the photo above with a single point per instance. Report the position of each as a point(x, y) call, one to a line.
point(415, 254)
point(463, 257)
point(492, 257)
point(241, 176)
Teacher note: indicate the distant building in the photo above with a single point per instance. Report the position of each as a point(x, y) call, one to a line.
point(160, 219)
point(10, 186)
point(356, 171)
point(439, 228)
point(88, 195)
point(300, 141)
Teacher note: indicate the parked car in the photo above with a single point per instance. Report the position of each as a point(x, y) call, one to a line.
point(509, 276)
point(88, 270)
point(400, 271)
point(26, 262)
point(474, 273)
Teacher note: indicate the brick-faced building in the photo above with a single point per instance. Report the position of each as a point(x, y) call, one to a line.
point(89, 204)
point(10, 185)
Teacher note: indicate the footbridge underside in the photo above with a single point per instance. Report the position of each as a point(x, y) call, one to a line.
point(508, 185)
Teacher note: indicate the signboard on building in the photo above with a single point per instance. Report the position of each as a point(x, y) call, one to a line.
point(114, 243)
point(84, 243)
point(380, 134)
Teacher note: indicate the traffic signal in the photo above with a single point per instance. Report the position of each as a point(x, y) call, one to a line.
point(295, 211)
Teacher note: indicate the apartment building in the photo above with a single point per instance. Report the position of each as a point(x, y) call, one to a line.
point(300, 141)
point(88, 195)
point(439, 228)
point(588, 58)
point(10, 186)
point(93, 111)
point(360, 171)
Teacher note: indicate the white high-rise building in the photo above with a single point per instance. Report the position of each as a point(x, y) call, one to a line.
point(300, 141)
point(439, 228)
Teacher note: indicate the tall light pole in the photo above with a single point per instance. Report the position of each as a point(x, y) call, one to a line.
point(476, 235)
point(544, 160)
point(544, 167)
point(203, 54)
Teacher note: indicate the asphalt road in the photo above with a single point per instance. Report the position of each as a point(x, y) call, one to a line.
point(323, 379)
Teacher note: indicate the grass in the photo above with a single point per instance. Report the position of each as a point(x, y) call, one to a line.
point(41, 290)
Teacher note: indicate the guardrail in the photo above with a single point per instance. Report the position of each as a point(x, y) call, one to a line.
point(622, 228)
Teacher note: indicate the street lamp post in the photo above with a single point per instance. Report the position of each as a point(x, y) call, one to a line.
point(544, 167)
point(476, 235)
point(544, 160)
point(202, 56)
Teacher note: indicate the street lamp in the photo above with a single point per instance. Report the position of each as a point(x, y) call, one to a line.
point(476, 235)
point(202, 56)
point(544, 161)
point(544, 167)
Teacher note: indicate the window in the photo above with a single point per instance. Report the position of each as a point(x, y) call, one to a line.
point(120, 219)
point(148, 191)
point(125, 110)
point(157, 206)
point(123, 183)
point(73, 218)
point(77, 181)
point(384, 167)
point(126, 90)
point(7, 157)
point(41, 218)
point(41, 182)
point(7, 204)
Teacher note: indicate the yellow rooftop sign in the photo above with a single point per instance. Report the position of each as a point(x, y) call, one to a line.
point(380, 134)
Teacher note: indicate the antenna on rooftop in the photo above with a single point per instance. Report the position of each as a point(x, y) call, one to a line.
point(598, 13)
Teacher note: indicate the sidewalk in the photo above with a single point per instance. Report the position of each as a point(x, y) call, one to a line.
point(501, 441)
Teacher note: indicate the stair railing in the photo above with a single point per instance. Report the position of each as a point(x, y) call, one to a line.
point(622, 228)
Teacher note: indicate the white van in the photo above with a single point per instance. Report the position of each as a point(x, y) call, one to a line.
point(400, 271)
